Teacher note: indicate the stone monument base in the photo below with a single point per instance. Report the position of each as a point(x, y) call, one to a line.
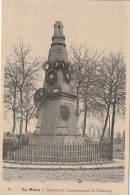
point(38, 139)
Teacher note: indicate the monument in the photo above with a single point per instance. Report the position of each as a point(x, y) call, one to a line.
point(57, 119)
point(56, 138)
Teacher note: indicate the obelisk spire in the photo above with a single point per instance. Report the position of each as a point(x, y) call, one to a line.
point(58, 29)
point(58, 46)
point(58, 37)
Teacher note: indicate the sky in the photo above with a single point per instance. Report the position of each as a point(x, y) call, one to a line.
point(32, 22)
point(98, 25)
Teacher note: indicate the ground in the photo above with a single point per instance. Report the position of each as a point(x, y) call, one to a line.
point(108, 175)
point(102, 175)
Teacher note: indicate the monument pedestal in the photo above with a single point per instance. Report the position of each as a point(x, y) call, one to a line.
point(50, 120)
point(38, 139)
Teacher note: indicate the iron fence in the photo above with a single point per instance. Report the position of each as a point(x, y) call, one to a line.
point(59, 153)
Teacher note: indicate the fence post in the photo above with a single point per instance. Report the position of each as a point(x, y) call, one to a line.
point(111, 151)
point(36, 152)
point(78, 152)
point(91, 152)
point(100, 154)
point(54, 153)
point(11, 152)
point(83, 155)
point(57, 153)
point(17, 152)
point(102, 151)
point(29, 152)
point(22, 152)
point(62, 150)
point(98, 151)
point(73, 152)
point(107, 151)
point(87, 153)
point(14, 152)
point(65, 152)
point(95, 152)
point(68, 152)
point(46, 152)
point(49, 152)
point(41, 152)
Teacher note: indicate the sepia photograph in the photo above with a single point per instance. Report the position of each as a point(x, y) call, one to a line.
point(64, 92)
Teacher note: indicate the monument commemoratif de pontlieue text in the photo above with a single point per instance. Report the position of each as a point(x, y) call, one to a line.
point(57, 120)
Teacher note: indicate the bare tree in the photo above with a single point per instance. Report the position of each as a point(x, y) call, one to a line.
point(87, 90)
point(25, 71)
point(78, 58)
point(110, 87)
point(28, 107)
point(103, 90)
point(10, 89)
point(119, 88)
point(85, 61)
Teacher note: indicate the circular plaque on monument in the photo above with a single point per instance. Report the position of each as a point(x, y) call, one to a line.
point(64, 112)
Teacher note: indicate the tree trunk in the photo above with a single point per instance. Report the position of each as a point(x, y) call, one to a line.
point(14, 123)
point(26, 125)
point(14, 114)
point(21, 117)
point(77, 101)
point(105, 125)
point(112, 129)
point(85, 118)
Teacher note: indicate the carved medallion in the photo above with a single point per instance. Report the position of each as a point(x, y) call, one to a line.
point(56, 91)
point(64, 112)
point(67, 76)
point(51, 77)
